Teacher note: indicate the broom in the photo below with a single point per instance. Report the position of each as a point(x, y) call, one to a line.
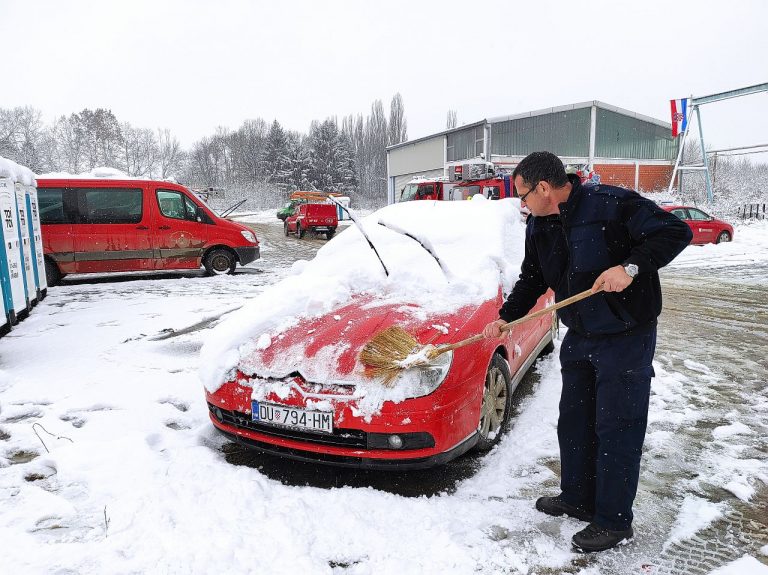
point(394, 349)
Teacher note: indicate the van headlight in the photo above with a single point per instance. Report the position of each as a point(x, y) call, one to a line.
point(423, 380)
point(248, 235)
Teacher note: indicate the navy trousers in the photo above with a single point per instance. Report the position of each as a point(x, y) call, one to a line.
point(603, 417)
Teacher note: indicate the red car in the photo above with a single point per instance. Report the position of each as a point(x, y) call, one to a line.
point(706, 229)
point(110, 225)
point(318, 218)
point(298, 389)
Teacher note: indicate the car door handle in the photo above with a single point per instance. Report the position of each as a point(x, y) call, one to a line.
point(142, 227)
point(164, 228)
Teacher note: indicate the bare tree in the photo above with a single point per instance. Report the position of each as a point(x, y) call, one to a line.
point(170, 155)
point(140, 151)
point(451, 120)
point(398, 125)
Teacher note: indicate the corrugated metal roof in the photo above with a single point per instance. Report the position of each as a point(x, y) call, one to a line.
point(541, 112)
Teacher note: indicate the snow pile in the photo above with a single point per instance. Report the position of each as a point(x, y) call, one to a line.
point(14, 172)
point(746, 565)
point(695, 514)
point(95, 173)
point(474, 240)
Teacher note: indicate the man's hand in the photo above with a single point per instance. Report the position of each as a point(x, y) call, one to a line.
point(492, 331)
point(612, 279)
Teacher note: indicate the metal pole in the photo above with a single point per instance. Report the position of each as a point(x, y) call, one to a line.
point(710, 198)
point(677, 162)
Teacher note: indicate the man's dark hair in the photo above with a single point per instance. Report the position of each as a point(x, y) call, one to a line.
point(541, 167)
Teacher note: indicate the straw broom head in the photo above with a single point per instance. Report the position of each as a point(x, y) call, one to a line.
point(385, 354)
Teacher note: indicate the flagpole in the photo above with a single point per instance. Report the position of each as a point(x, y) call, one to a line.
point(679, 156)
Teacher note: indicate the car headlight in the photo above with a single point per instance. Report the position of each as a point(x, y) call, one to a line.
point(423, 380)
point(248, 235)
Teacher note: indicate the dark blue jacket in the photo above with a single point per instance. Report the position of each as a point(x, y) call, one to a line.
point(598, 227)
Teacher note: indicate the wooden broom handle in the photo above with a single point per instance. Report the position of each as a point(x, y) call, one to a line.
point(507, 326)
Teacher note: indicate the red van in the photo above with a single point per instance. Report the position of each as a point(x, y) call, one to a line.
point(110, 225)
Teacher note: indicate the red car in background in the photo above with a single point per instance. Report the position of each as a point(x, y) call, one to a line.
point(705, 228)
point(318, 218)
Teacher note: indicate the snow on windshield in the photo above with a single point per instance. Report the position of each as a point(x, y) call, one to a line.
point(480, 244)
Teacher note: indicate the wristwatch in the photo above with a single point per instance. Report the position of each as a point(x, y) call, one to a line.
point(631, 270)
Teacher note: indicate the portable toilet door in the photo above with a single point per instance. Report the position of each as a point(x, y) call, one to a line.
point(26, 246)
point(35, 233)
point(14, 296)
point(5, 323)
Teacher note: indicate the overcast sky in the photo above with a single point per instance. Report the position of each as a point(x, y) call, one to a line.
point(194, 65)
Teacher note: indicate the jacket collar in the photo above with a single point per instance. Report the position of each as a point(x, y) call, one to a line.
point(568, 207)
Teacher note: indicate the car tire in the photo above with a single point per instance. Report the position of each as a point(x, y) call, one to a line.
point(723, 237)
point(299, 231)
point(285, 228)
point(219, 262)
point(496, 406)
point(330, 233)
point(52, 273)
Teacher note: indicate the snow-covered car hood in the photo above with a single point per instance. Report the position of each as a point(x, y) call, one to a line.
point(325, 349)
point(293, 323)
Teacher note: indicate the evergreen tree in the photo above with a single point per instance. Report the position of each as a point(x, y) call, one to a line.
point(275, 153)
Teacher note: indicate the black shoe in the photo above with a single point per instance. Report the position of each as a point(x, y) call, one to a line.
point(595, 538)
point(557, 507)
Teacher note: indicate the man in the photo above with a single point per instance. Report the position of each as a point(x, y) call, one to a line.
point(613, 241)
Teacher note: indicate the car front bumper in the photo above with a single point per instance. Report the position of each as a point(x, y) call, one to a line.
point(247, 255)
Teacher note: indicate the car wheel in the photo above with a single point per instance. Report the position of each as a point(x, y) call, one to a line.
point(723, 237)
point(330, 233)
point(285, 228)
point(52, 273)
point(497, 404)
point(299, 231)
point(219, 262)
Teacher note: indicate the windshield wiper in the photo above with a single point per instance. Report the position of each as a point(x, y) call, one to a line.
point(424, 243)
point(362, 231)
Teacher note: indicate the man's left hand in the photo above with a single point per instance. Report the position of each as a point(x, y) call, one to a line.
point(612, 279)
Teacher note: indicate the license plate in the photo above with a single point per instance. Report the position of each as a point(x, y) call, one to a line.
point(284, 416)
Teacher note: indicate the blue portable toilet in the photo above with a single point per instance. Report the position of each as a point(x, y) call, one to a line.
point(36, 241)
point(27, 257)
point(5, 323)
point(11, 266)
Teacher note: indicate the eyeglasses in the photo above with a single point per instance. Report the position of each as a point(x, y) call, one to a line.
point(529, 192)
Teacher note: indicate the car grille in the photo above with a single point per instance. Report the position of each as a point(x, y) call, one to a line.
point(339, 437)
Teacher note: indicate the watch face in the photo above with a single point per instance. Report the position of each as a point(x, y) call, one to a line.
point(631, 270)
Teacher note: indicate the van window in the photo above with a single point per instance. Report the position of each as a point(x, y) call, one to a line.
point(51, 205)
point(176, 205)
point(110, 205)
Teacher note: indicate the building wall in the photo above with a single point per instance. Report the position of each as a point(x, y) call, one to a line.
point(416, 158)
point(564, 133)
point(652, 178)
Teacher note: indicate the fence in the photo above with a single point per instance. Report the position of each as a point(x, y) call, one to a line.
point(753, 211)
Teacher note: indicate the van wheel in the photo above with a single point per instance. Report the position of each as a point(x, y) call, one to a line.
point(330, 233)
point(52, 273)
point(497, 404)
point(299, 231)
point(285, 228)
point(219, 262)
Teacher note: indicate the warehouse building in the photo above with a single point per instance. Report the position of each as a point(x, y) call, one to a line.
point(624, 148)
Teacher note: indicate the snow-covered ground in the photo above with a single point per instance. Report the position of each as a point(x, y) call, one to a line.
point(108, 463)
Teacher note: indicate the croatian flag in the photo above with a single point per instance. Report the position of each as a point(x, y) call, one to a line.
point(679, 116)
